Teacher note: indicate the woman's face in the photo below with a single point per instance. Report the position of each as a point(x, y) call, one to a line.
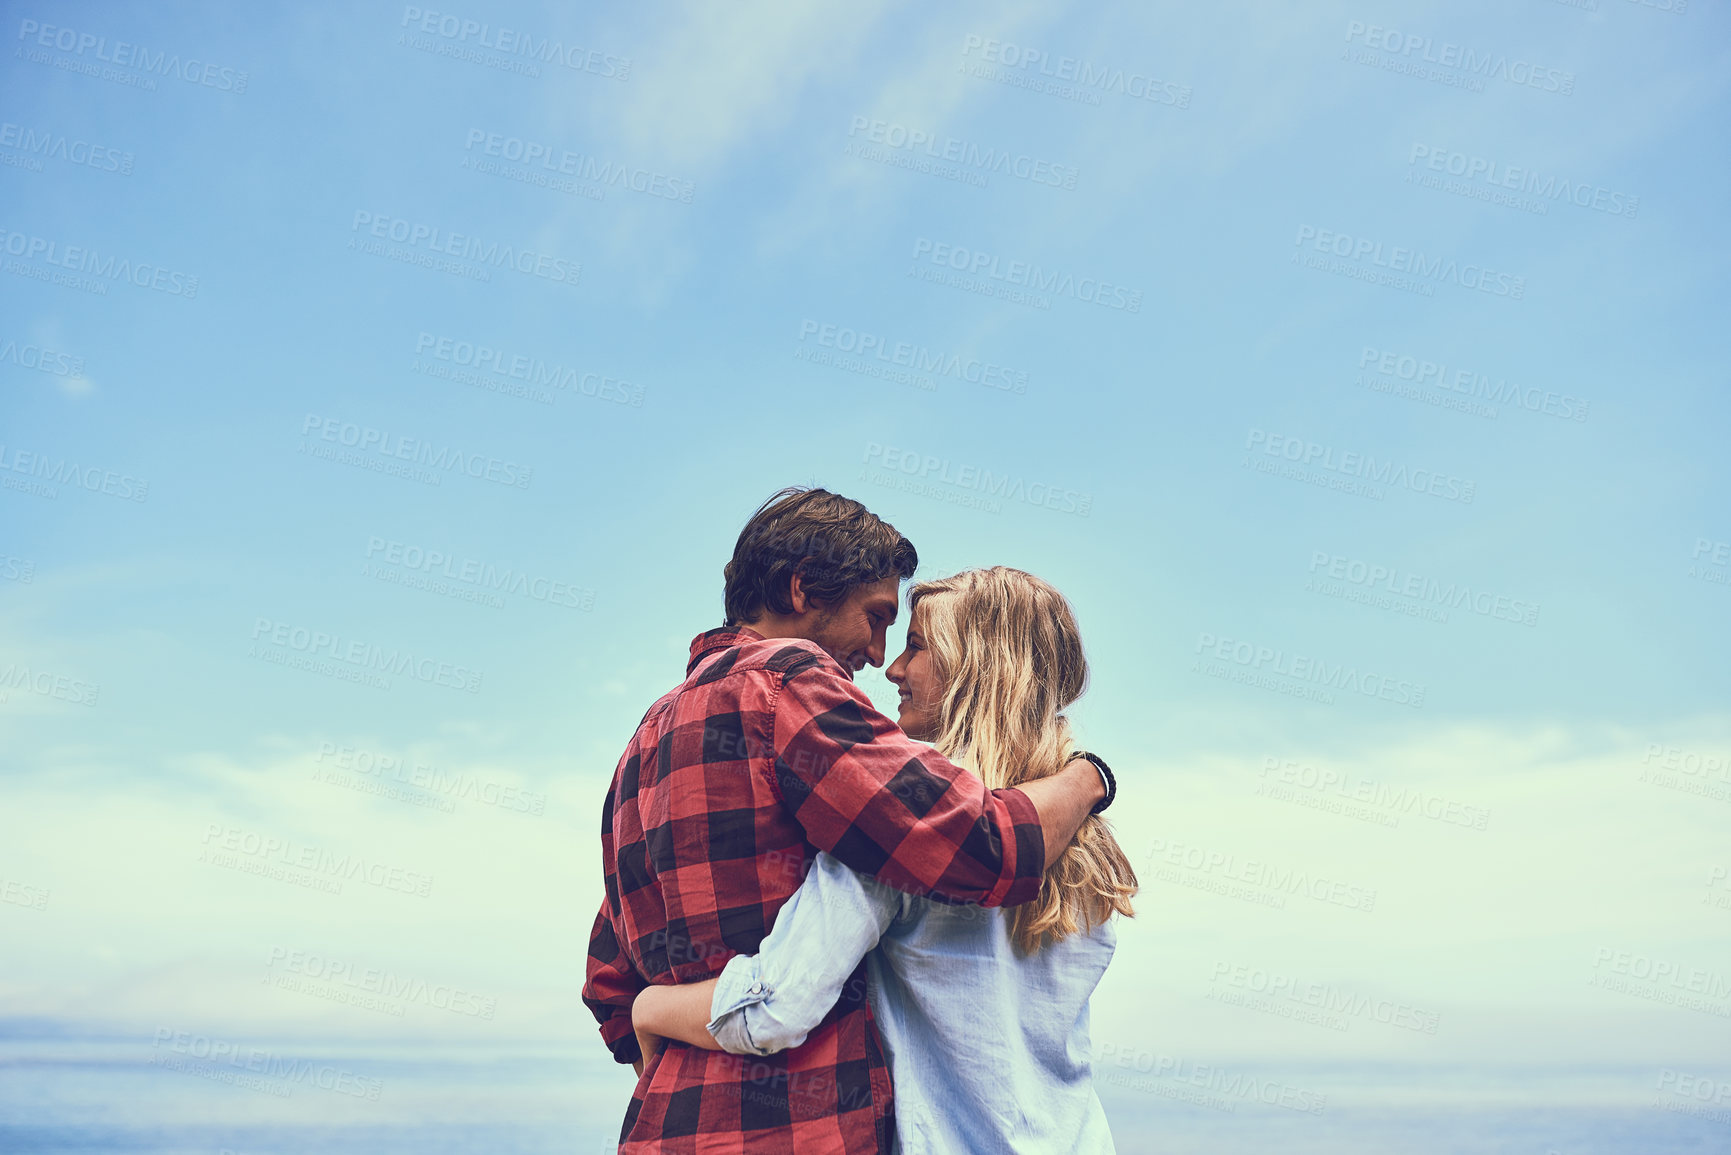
point(915, 674)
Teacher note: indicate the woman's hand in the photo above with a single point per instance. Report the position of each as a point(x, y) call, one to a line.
point(661, 1012)
point(643, 1009)
point(650, 1044)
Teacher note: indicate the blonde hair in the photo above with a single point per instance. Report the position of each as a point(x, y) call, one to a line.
point(1009, 658)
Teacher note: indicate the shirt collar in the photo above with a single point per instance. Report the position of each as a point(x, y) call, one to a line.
point(710, 641)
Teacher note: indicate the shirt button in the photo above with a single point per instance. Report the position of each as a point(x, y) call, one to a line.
point(755, 989)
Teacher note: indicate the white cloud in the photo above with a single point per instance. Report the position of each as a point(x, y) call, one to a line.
point(1475, 924)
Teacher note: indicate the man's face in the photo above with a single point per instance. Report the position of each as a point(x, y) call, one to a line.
point(853, 629)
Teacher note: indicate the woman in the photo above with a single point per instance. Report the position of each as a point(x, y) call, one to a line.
point(983, 1013)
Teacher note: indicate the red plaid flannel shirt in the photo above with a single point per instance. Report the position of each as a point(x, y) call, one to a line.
point(766, 753)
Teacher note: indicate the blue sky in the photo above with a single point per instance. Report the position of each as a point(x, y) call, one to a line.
point(1316, 373)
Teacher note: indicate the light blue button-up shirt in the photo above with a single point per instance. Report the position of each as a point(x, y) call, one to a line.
point(988, 1051)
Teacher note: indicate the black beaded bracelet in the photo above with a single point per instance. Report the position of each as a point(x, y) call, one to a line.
point(1105, 774)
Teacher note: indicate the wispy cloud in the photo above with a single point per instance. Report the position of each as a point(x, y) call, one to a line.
point(725, 76)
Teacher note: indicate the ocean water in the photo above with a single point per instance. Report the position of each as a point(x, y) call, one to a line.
point(184, 1097)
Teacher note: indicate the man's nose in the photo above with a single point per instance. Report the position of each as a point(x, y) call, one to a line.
point(875, 652)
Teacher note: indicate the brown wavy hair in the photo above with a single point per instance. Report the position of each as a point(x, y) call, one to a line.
point(833, 542)
point(1009, 658)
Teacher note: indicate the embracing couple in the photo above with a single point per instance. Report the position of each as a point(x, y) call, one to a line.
point(808, 904)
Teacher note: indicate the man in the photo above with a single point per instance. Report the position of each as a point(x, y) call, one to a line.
point(766, 753)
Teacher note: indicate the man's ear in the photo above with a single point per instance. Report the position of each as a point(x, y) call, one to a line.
point(796, 593)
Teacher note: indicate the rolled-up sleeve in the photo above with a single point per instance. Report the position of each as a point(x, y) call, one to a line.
point(610, 986)
point(739, 989)
point(772, 1000)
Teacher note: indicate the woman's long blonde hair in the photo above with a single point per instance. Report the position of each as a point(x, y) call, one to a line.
point(1009, 659)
